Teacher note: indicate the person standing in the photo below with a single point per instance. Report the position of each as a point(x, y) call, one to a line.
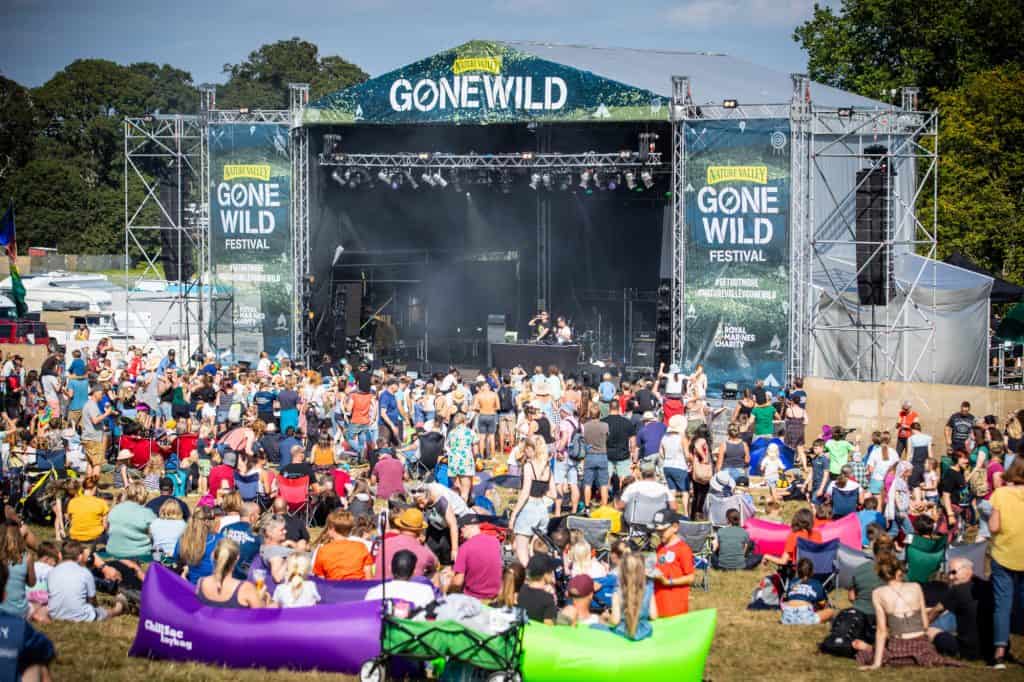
point(1006, 525)
point(904, 425)
point(621, 444)
point(390, 417)
point(595, 464)
point(959, 427)
point(92, 429)
point(674, 571)
point(486, 405)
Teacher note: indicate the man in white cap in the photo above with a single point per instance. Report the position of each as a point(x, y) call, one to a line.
point(566, 469)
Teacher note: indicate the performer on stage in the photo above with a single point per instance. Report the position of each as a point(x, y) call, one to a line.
point(675, 387)
point(542, 331)
point(563, 333)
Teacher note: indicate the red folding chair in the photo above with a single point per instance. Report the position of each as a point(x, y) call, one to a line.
point(295, 492)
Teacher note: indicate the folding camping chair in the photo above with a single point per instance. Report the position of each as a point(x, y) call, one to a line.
point(973, 552)
point(823, 555)
point(844, 502)
point(717, 507)
point(698, 535)
point(847, 561)
point(295, 492)
point(925, 557)
point(638, 517)
point(248, 485)
point(595, 531)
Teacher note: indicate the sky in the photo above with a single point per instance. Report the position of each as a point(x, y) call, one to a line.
point(39, 37)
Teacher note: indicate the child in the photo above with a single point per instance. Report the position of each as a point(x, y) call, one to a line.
point(153, 472)
point(582, 561)
point(805, 599)
point(772, 511)
point(121, 475)
point(48, 556)
point(771, 467)
point(868, 516)
point(296, 590)
point(930, 485)
point(819, 475)
point(822, 514)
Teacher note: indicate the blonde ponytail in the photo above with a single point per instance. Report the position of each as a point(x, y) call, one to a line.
point(296, 568)
point(225, 556)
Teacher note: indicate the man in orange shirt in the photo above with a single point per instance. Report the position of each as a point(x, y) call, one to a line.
point(342, 558)
point(674, 572)
point(361, 406)
point(905, 420)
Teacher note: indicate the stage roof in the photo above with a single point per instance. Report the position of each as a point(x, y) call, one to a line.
point(484, 82)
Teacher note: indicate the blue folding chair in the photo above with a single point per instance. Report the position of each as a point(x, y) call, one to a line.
point(844, 502)
point(248, 486)
point(823, 555)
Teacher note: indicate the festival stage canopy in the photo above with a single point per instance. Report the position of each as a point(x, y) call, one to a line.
point(484, 82)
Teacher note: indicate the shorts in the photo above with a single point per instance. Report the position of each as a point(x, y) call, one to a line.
point(595, 470)
point(677, 480)
point(179, 411)
point(566, 471)
point(533, 514)
point(507, 420)
point(945, 622)
point(487, 424)
point(94, 452)
point(75, 417)
point(621, 468)
point(875, 486)
point(204, 466)
point(101, 613)
point(799, 615)
point(770, 483)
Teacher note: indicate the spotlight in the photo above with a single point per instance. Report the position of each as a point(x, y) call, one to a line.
point(411, 179)
point(396, 180)
point(630, 180)
point(565, 180)
point(585, 177)
point(423, 156)
point(647, 179)
point(614, 181)
point(534, 181)
point(546, 179)
point(429, 179)
point(439, 180)
point(383, 177)
point(527, 156)
point(243, 110)
point(729, 104)
point(336, 176)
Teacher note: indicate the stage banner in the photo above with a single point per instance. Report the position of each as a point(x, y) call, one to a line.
point(487, 82)
point(737, 250)
point(250, 238)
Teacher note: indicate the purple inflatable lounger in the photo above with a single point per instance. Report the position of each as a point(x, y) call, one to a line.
point(174, 625)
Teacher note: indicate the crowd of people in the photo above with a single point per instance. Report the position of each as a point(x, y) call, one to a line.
point(250, 479)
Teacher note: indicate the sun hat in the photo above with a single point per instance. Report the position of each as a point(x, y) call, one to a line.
point(648, 416)
point(677, 423)
point(123, 455)
point(410, 519)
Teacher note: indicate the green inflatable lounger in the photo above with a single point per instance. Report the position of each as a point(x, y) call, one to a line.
point(676, 651)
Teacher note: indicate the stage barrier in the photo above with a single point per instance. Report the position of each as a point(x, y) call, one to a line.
point(870, 406)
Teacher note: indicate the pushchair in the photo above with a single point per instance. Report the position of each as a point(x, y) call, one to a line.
point(32, 492)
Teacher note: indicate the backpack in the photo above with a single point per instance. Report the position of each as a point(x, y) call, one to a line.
point(978, 482)
point(505, 402)
point(848, 625)
point(767, 595)
point(577, 447)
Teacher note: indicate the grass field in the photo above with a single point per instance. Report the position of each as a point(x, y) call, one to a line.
point(748, 645)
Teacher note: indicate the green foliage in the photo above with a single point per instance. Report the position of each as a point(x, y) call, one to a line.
point(262, 79)
point(873, 46)
point(981, 171)
point(17, 126)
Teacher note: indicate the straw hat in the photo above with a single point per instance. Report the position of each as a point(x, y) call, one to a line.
point(677, 424)
point(123, 455)
point(105, 376)
point(410, 519)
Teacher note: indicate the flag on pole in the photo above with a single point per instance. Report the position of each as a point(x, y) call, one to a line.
point(8, 241)
point(8, 238)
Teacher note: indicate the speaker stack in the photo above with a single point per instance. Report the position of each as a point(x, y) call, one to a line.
point(663, 326)
point(875, 280)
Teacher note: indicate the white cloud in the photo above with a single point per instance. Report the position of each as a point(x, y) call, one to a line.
point(719, 13)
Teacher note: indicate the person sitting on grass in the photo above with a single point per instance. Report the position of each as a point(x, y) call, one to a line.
point(537, 595)
point(802, 526)
point(401, 586)
point(804, 603)
point(297, 589)
point(194, 549)
point(342, 558)
point(867, 516)
point(733, 547)
point(633, 604)
point(31, 651)
point(577, 612)
point(129, 523)
point(71, 588)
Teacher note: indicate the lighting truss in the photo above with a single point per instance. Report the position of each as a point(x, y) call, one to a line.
point(406, 160)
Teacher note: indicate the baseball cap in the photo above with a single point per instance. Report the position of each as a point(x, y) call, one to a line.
point(666, 517)
point(581, 585)
point(539, 565)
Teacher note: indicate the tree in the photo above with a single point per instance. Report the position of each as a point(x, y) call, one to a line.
point(874, 46)
point(262, 79)
point(981, 171)
point(17, 126)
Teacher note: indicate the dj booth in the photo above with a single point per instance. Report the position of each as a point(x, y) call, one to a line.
point(530, 355)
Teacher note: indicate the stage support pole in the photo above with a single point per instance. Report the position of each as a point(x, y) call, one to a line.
point(682, 110)
point(301, 341)
point(801, 249)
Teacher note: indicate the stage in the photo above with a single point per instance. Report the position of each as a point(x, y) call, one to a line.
point(529, 355)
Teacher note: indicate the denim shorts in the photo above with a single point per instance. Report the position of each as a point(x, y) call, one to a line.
point(677, 480)
point(595, 470)
point(799, 615)
point(622, 468)
point(487, 424)
point(566, 471)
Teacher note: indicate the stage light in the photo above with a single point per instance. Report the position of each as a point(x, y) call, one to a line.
point(411, 179)
point(243, 110)
point(429, 179)
point(439, 179)
point(565, 180)
point(527, 156)
point(546, 179)
point(585, 177)
point(614, 181)
point(729, 104)
point(647, 179)
point(336, 176)
point(383, 177)
point(630, 180)
point(534, 181)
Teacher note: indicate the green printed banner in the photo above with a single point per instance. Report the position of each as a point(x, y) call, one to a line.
point(485, 82)
point(737, 250)
point(250, 239)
